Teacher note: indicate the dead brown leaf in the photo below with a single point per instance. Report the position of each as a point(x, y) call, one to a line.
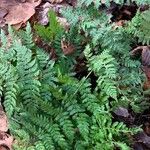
point(3, 12)
point(147, 128)
point(18, 12)
point(55, 1)
point(146, 56)
point(146, 84)
point(144, 51)
point(42, 13)
point(138, 146)
point(6, 140)
point(119, 23)
point(3, 120)
point(143, 138)
point(67, 47)
point(123, 112)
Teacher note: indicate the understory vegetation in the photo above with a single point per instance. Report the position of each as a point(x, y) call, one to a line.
point(65, 101)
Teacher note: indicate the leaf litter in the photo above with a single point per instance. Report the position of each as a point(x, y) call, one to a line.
point(24, 10)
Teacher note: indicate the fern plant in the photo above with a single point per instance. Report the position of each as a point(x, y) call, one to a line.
point(50, 109)
point(62, 42)
point(123, 76)
point(104, 66)
point(140, 27)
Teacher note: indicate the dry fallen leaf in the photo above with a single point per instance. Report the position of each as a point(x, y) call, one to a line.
point(123, 112)
point(55, 1)
point(19, 12)
point(144, 51)
point(143, 138)
point(146, 56)
point(67, 47)
point(42, 13)
point(3, 12)
point(6, 140)
point(119, 23)
point(146, 84)
point(138, 146)
point(3, 120)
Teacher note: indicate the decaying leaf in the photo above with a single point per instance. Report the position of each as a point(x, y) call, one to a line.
point(143, 138)
point(123, 112)
point(55, 1)
point(146, 56)
point(67, 47)
point(123, 115)
point(138, 146)
point(3, 147)
point(3, 12)
point(144, 51)
point(3, 122)
point(119, 23)
point(146, 84)
point(42, 13)
point(18, 12)
point(5, 141)
point(147, 128)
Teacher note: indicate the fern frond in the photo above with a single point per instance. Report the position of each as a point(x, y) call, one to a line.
point(104, 67)
point(49, 33)
point(140, 27)
point(27, 37)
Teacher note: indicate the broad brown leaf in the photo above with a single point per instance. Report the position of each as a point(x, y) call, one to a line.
point(18, 12)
